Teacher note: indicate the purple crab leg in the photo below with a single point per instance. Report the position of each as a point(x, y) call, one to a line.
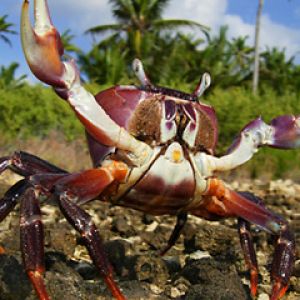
point(11, 197)
point(82, 222)
point(249, 253)
point(247, 244)
point(32, 241)
point(43, 49)
point(180, 222)
point(26, 164)
point(236, 204)
point(283, 262)
point(75, 189)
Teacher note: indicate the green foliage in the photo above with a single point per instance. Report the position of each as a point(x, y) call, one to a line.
point(35, 111)
point(8, 79)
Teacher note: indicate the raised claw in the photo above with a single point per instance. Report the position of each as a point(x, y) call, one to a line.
point(42, 44)
point(286, 132)
point(43, 49)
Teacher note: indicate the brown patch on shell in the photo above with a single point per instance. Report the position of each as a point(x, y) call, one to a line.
point(145, 122)
point(206, 133)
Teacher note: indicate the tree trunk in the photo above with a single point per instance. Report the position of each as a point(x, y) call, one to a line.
point(256, 53)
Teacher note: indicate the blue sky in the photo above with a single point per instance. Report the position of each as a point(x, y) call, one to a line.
point(280, 21)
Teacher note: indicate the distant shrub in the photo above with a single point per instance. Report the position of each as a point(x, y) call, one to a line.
point(34, 111)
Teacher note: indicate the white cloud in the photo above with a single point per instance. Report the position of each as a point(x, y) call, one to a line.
point(206, 12)
point(277, 35)
point(272, 34)
point(81, 15)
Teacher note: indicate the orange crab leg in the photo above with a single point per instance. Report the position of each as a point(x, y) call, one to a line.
point(236, 204)
point(75, 189)
point(69, 188)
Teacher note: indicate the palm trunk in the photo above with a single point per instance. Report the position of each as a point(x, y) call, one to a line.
point(256, 53)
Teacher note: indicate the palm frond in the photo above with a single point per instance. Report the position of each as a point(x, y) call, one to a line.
point(171, 24)
point(101, 29)
point(5, 29)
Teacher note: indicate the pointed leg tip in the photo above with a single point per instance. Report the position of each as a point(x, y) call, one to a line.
point(114, 288)
point(253, 282)
point(278, 291)
point(37, 281)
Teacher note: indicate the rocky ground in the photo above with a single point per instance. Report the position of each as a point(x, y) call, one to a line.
point(206, 262)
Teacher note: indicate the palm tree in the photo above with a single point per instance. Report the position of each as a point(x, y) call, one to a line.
point(138, 18)
point(5, 29)
point(8, 79)
point(108, 55)
point(277, 70)
point(69, 47)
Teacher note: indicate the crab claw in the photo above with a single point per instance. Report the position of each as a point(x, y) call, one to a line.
point(286, 132)
point(42, 44)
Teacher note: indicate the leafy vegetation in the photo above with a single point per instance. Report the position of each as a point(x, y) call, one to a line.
point(8, 78)
point(35, 111)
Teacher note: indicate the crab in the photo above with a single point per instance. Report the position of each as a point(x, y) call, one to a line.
point(152, 150)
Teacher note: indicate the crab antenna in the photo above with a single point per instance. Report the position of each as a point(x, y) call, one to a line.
point(138, 69)
point(202, 85)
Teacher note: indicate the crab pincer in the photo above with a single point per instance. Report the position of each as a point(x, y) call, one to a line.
point(42, 44)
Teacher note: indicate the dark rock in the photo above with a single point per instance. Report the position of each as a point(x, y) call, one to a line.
point(148, 219)
point(212, 279)
point(14, 284)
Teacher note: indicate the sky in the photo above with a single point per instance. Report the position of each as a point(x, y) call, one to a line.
point(280, 22)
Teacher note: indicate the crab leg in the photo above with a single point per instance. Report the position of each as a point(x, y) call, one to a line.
point(283, 133)
point(43, 49)
point(26, 164)
point(285, 252)
point(247, 244)
point(32, 241)
point(249, 253)
point(11, 197)
point(80, 188)
point(181, 221)
point(82, 222)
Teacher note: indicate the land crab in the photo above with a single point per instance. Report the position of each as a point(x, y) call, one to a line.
point(153, 151)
